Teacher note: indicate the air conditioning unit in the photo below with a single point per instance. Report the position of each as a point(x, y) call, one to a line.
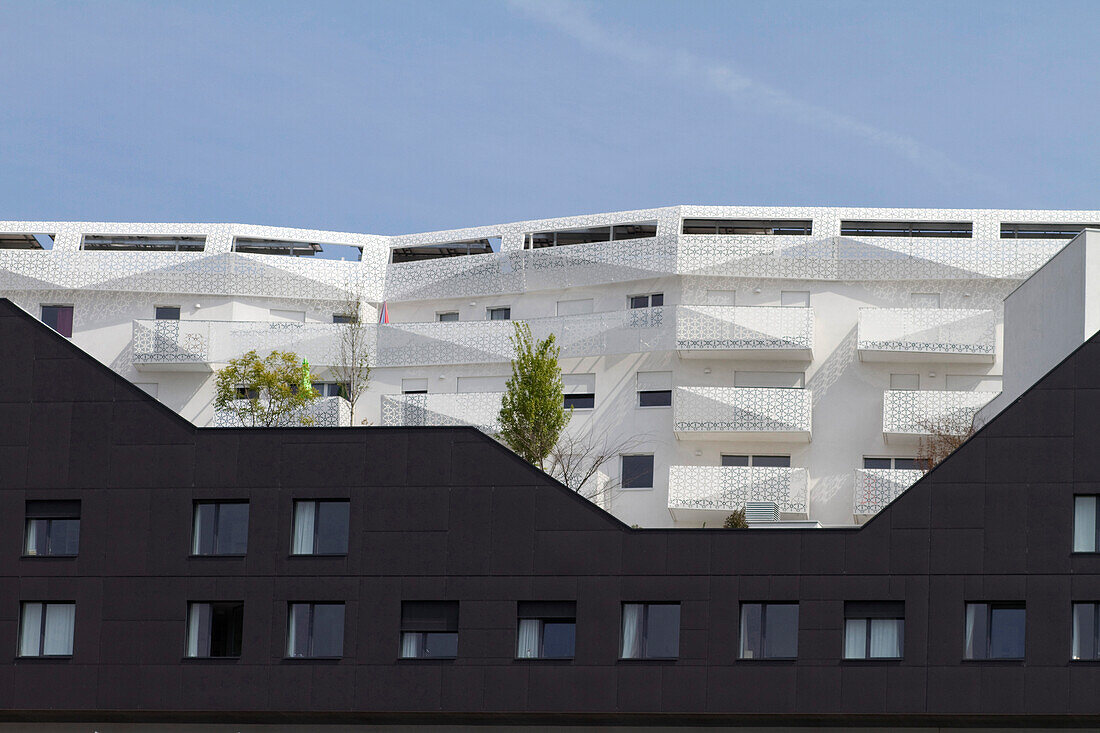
point(761, 511)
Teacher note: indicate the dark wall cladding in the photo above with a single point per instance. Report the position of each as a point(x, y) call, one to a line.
point(446, 514)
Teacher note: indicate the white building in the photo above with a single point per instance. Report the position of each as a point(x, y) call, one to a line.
point(807, 349)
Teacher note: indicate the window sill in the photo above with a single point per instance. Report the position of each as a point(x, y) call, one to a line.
point(544, 660)
point(422, 660)
point(48, 557)
point(312, 660)
point(765, 660)
point(1013, 661)
point(45, 659)
point(207, 660)
point(217, 557)
point(648, 660)
point(635, 488)
point(652, 407)
point(873, 660)
point(330, 555)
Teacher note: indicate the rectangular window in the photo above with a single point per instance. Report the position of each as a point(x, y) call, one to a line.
point(59, 318)
point(429, 629)
point(486, 245)
point(769, 630)
point(655, 398)
point(654, 389)
point(500, 314)
point(651, 631)
point(874, 630)
point(763, 461)
point(906, 229)
point(321, 527)
point(580, 391)
point(795, 298)
point(46, 629)
point(1022, 230)
point(1086, 631)
point(143, 243)
point(414, 386)
point(1085, 524)
point(447, 316)
point(994, 631)
point(332, 389)
point(748, 226)
point(220, 528)
point(215, 629)
point(904, 381)
point(903, 464)
point(315, 630)
point(647, 301)
point(343, 318)
point(580, 401)
point(52, 529)
point(637, 471)
point(547, 630)
point(167, 313)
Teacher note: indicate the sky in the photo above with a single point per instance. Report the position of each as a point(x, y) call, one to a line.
point(407, 116)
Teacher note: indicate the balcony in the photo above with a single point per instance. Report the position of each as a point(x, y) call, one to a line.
point(745, 413)
point(877, 487)
point(326, 412)
point(479, 409)
point(709, 493)
point(744, 332)
point(171, 345)
point(909, 415)
point(926, 334)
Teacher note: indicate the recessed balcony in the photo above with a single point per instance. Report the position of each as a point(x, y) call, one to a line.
point(709, 493)
point(479, 409)
point(877, 487)
point(909, 414)
point(744, 413)
point(926, 334)
point(744, 332)
point(326, 412)
point(171, 345)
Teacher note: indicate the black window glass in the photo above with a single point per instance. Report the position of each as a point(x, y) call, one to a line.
point(769, 630)
point(559, 639)
point(639, 301)
point(215, 629)
point(52, 528)
point(580, 401)
point(655, 398)
point(663, 630)
point(328, 630)
point(429, 629)
point(1006, 639)
point(906, 464)
point(447, 317)
point(167, 313)
point(772, 461)
point(637, 472)
point(1086, 624)
point(657, 299)
point(341, 318)
point(735, 460)
point(332, 527)
point(220, 528)
point(876, 463)
point(500, 314)
point(59, 318)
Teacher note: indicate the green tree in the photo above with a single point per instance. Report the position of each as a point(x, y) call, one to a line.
point(737, 520)
point(532, 412)
point(272, 392)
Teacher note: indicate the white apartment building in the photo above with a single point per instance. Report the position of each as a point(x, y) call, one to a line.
point(791, 356)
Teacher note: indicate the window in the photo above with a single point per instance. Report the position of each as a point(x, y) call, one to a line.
point(795, 298)
point(215, 629)
point(1085, 524)
point(763, 461)
point(343, 318)
point(575, 307)
point(167, 313)
point(46, 630)
point(580, 401)
point(315, 630)
point(1021, 230)
point(784, 380)
point(429, 629)
point(1086, 631)
point(580, 391)
point(899, 464)
point(547, 630)
point(994, 631)
point(906, 229)
point(414, 386)
point(904, 381)
point(486, 245)
point(654, 389)
point(447, 316)
point(748, 226)
point(651, 631)
point(874, 630)
point(769, 630)
point(637, 472)
point(500, 314)
point(647, 301)
point(143, 243)
point(53, 529)
point(321, 527)
point(586, 235)
point(221, 528)
point(59, 318)
point(332, 389)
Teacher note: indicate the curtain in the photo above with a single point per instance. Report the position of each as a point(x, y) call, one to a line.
point(60, 618)
point(298, 613)
point(31, 548)
point(885, 638)
point(1084, 524)
point(305, 513)
point(411, 645)
point(632, 630)
point(855, 638)
point(528, 645)
point(32, 630)
point(196, 535)
point(972, 610)
point(194, 631)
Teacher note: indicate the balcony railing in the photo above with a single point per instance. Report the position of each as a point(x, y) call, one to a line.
point(171, 344)
point(326, 412)
point(480, 409)
point(915, 334)
point(917, 413)
point(709, 413)
point(877, 487)
point(744, 331)
point(708, 493)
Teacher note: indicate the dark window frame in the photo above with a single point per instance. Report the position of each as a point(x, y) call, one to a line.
point(210, 641)
point(644, 651)
point(42, 630)
point(532, 613)
point(50, 511)
point(642, 393)
point(649, 300)
point(1095, 630)
point(310, 629)
point(587, 400)
point(887, 610)
point(422, 632)
point(316, 535)
point(764, 605)
point(990, 608)
point(59, 307)
point(494, 309)
point(157, 309)
point(623, 473)
point(217, 503)
point(1096, 525)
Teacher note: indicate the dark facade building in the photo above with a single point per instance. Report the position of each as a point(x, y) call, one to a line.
point(155, 572)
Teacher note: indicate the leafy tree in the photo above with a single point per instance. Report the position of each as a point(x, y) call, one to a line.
point(736, 520)
point(532, 412)
point(354, 341)
point(272, 392)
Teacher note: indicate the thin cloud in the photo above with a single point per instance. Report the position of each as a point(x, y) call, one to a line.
point(575, 20)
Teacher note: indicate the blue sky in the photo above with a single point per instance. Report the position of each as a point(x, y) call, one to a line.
point(393, 117)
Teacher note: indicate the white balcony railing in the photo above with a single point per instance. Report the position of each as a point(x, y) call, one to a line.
point(707, 413)
point(877, 487)
point(708, 493)
point(917, 413)
point(926, 333)
point(171, 344)
point(480, 409)
point(326, 412)
point(744, 331)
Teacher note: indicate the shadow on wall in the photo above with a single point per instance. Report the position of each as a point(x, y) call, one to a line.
point(833, 367)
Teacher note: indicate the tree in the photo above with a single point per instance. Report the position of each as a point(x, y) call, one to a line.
point(532, 412)
point(944, 436)
point(576, 460)
point(272, 392)
point(351, 367)
point(737, 520)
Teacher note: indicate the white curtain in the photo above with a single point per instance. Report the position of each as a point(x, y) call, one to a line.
point(305, 513)
point(60, 618)
point(972, 610)
point(1084, 524)
point(632, 631)
point(528, 645)
point(196, 534)
point(855, 638)
point(193, 630)
point(31, 547)
point(292, 629)
point(885, 638)
point(32, 630)
point(411, 645)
